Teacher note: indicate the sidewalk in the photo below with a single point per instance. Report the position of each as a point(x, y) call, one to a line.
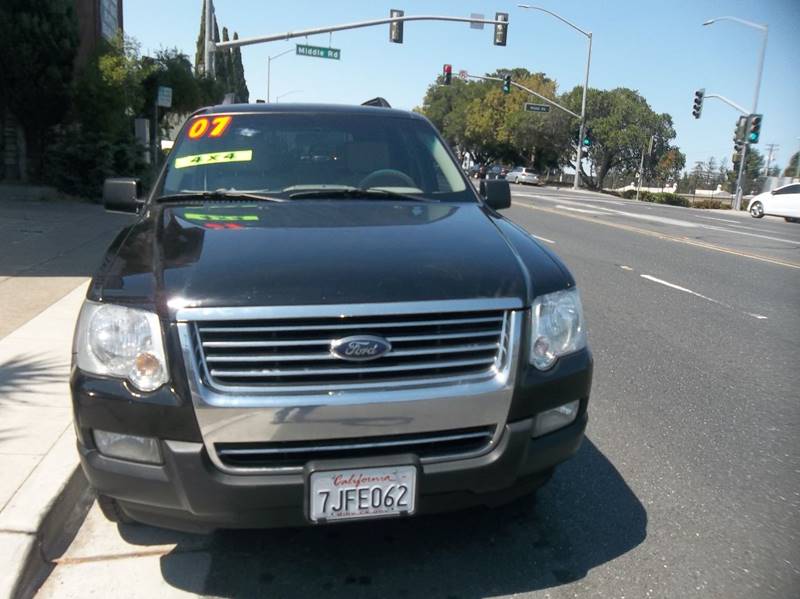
point(37, 448)
point(48, 250)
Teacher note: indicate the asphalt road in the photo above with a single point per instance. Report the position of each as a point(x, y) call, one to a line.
point(688, 484)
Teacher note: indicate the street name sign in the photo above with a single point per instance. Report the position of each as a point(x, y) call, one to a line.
point(473, 24)
point(319, 52)
point(164, 98)
point(531, 107)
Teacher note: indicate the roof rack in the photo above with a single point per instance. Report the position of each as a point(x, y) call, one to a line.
point(381, 102)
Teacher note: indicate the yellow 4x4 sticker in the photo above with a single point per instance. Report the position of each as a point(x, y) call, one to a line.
point(214, 158)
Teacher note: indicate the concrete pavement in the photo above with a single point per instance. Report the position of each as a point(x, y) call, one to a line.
point(47, 251)
point(47, 248)
point(37, 447)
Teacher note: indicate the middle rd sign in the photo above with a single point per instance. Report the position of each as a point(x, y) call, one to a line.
point(318, 52)
point(531, 107)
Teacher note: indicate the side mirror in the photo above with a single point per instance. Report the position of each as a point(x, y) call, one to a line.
point(122, 195)
point(496, 193)
point(772, 191)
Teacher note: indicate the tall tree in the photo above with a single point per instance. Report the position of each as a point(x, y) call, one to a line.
point(753, 170)
point(38, 44)
point(199, 55)
point(240, 87)
point(621, 122)
point(791, 169)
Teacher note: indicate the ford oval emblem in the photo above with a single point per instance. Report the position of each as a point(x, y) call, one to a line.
point(360, 348)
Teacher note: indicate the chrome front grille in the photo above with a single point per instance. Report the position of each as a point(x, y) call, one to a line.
point(427, 446)
point(280, 352)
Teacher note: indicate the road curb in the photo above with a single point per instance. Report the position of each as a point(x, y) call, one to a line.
point(42, 519)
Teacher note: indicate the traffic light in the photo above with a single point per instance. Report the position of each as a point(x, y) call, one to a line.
point(447, 73)
point(501, 31)
point(753, 128)
point(396, 27)
point(738, 146)
point(586, 142)
point(507, 84)
point(697, 108)
point(741, 129)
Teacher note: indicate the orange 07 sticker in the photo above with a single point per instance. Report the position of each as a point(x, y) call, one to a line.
point(214, 127)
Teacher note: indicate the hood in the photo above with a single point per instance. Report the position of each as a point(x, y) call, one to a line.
point(312, 252)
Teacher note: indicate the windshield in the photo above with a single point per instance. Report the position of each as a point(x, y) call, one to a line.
point(282, 154)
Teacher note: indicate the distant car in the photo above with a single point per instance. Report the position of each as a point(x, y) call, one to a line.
point(496, 172)
point(523, 175)
point(782, 201)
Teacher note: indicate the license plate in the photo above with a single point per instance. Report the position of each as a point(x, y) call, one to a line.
point(362, 493)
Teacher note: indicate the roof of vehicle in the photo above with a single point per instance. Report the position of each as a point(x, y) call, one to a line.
point(306, 108)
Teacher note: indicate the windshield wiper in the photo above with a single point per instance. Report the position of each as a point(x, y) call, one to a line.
point(355, 193)
point(216, 196)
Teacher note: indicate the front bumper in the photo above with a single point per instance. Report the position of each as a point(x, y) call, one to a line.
point(187, 492)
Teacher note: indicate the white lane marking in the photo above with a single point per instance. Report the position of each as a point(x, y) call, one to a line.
point(578, 207)
point(700, 295)
point(584, 210)
point(740, 226)
point(623, 267)
point(545, 239)
point(716, 228)
point(724, 220)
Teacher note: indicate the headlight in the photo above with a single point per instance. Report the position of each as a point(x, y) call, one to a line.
point(557, 327)
point(123, 342)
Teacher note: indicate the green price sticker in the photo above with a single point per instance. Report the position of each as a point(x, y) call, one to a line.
point(220, 217)
point(214, 158)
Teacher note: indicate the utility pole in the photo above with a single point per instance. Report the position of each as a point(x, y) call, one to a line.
point(771, 150)
point(207, 54)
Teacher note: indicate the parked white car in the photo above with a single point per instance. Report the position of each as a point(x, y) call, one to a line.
point(781, 201)
point(520, 174)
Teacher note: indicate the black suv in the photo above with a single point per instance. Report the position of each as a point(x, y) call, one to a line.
point(315, 317)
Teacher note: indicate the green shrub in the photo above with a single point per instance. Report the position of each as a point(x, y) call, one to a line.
point(78, 163)
point(629, 194)
point(712, 205)
point(672, 199)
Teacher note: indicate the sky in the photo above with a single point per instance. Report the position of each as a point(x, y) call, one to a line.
point(659, 48)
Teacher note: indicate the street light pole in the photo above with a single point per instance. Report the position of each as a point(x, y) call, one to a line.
point(765, 30)
point(269, 65)
point(293, 91)
point(576, 182)
point(641, 166)
point(588, 34)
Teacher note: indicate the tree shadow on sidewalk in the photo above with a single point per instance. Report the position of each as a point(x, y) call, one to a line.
point(585, 517)
point(25, 375)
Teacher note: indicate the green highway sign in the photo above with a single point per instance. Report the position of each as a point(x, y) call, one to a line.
point(530, 107)
point(319, 52)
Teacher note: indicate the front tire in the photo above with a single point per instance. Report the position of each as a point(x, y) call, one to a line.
point(112, 510)
point(757, 210)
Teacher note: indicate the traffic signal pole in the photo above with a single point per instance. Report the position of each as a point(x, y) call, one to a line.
point(356, 25)
point(765, 30)
point(528, 90)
